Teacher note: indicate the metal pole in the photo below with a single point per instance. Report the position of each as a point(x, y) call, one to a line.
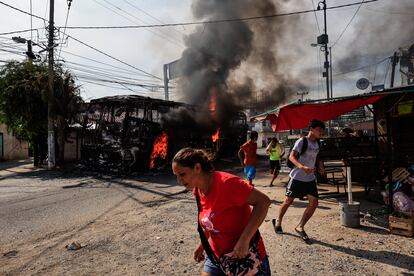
point(330, 70)
point(394, 63)
point(326, 65)
point(349, 182)
point(166, 82)
point(29, 51)
point(50, 126)
point(326, 52)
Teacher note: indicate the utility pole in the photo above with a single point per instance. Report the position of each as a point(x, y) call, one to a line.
point(325, 41)
point(166, 80)
point(325, 45)
point(330, 70)
point(50, 125)
point(394, 64)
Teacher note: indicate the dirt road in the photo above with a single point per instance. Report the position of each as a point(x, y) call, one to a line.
point(146, 226)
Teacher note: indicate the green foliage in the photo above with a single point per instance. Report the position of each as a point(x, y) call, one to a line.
point(24, 98)
point(22, 105)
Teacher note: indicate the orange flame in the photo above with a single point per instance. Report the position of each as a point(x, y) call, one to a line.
point(159, 149)
point(212, 104)
point(213, 95)
point(215, 136)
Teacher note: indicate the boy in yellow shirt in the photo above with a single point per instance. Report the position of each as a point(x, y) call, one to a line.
point(275, 151)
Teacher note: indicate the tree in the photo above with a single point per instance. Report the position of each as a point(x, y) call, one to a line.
point(24, 99)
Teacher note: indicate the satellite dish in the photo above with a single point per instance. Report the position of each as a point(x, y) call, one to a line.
point(362, 83)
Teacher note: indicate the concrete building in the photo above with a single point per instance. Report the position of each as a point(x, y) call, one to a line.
point(12, 148)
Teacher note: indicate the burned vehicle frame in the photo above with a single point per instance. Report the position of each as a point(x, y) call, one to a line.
point(119, 134)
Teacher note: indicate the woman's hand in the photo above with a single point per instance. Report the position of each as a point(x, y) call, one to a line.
point(199, 254)
point(240, 250)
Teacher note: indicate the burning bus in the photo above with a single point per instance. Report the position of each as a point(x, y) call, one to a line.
point(126, 134)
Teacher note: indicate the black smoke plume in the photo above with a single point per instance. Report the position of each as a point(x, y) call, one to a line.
point(237, 63)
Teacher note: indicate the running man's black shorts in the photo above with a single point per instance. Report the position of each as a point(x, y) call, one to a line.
point(300, 189)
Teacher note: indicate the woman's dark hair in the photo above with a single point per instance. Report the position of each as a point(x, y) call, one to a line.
point(274, 139)
point(254, 135)
point(316, 123)
point(189, 157)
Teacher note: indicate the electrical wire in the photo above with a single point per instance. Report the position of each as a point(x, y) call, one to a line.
point(21, 31)
point(318, 57)
point(112, 57)
point(153, 32)
point(270, 16)
point(13, 52)
point(22, 11)
point(117, 87)
point(103, 70)
point(139, 19)
point(111, 77)
point(31, 21)
point(64, 29)
point(349, 23)
point(100, 62)
point(153, 17)
point(168, 35)
point(389, 12)
point(362, 67)
point(316, 18)
point(148, 87)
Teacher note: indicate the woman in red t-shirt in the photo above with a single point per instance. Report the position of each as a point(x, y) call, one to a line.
point(225, 214)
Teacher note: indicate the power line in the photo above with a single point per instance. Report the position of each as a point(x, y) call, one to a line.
point(13, 52)
point(31, 21)
point(155, 18)
point(110, 76)
point(118, 8)
point(349, 23)
point(120, 82)
point(363, 67)
point(390, 12)
point(117, 87)
point(21, 31)
point(100, 62)
point(22, 11)
point(103, 70)
point(114, 58)
point(216, 21)
point(64, 29)
point(316, 18)
point(195, 23)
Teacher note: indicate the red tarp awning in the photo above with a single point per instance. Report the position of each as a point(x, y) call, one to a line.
point(298, 115)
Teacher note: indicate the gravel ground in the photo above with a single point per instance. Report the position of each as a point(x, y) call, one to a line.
point(147, 226)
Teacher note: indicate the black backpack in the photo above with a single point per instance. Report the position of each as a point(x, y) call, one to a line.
point(302, 151)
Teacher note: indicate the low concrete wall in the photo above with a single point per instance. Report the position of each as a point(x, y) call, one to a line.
point(13, 148)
